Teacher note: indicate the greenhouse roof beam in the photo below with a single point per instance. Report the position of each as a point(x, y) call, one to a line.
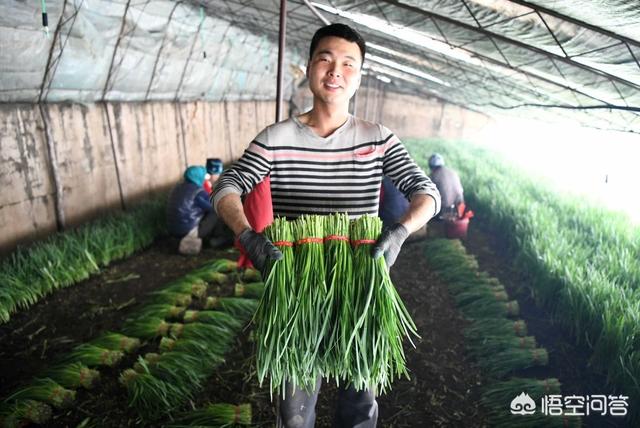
point(510, 40)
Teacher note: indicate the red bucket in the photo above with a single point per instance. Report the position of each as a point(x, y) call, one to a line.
point(456, 229)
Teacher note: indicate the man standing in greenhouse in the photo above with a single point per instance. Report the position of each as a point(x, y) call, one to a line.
point(321, 162)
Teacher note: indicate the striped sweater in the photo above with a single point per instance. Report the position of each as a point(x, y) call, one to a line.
point(315, 175)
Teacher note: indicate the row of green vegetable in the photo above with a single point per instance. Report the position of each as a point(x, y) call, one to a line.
point(191, 332)
point(581, 259)
point(29, 274)
point(497, 340)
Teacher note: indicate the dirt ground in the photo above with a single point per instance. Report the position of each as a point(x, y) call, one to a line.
point(443, 389)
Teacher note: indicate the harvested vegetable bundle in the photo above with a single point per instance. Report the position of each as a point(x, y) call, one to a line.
point(20, 413)
point(74, 376)
point(219, 318)
point(92, 356)
point(492, 344)
point(212, 351)
point(483, 328)
point(172, 298)
point(161, 310)
point(211, 277)
point(502, 363)
point(216, 415)
point(251, 275)
point(200, 331)
point(490, 308)
point(150, 358)
point(149, 395)
point(239, 307)
point(374, 354)
point(186, 372)
point(273, 314)
point(307, 331)
point(219, 265)
point(340, 297)
point(252, 289)
point(480, 292)
point(117, 342)
point(146, 327)
point(188, 285)
point(45, 390)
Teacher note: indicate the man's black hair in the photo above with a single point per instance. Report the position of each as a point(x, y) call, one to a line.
point(338, 30)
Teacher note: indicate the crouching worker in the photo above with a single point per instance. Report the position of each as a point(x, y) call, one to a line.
point(190, 215)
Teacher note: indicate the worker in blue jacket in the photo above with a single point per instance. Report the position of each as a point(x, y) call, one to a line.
point(190, 215)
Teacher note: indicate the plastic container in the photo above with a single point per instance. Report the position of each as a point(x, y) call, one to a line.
point(456, 228)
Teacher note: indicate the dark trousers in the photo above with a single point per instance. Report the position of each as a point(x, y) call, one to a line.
point(208, 224)
point(356, 409)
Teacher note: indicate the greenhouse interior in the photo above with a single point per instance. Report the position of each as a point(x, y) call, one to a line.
point(330, 213)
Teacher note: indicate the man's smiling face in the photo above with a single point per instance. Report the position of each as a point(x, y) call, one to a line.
point(334, 70)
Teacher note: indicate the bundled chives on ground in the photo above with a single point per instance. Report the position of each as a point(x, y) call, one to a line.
point(19, 413)
point(311, 289)
point(215, 415)
point(374, 353)
point(274, 311)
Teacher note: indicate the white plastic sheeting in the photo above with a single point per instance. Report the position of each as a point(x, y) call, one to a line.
point(100, 50)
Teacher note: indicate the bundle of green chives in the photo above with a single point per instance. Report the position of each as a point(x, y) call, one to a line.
point(20, 413)
point(216, 415)
point(161, 310)
point(480, 292)
point(374, 350)
point(117, 342)
point(338, 306)
point(146, 327)
point(251, 275)
point(485, 327)
point(172, 298)
point(500, 364)
point(219, 265)
point(251, 289)
point(239, 307)
point(221, 319)
point(491, 344)
point(188, 285)
point(208, 276)
point(150, 396)
point(150, 358)
point(200, 331)
point(92, 355)
point(74, 376)
point(45, 390)
point(212, 351)
point(273, 315)
point(490, 308)
point(311, 289)
point(185, 372)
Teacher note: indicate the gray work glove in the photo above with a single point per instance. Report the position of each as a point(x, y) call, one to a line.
point(390, 243)
point(259, 249)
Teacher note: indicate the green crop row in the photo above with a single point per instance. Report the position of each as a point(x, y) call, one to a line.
point(581, 260)
point(29, 274)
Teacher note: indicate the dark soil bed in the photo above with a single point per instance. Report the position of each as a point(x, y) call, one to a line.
point(442, 390)
point(444, 385)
